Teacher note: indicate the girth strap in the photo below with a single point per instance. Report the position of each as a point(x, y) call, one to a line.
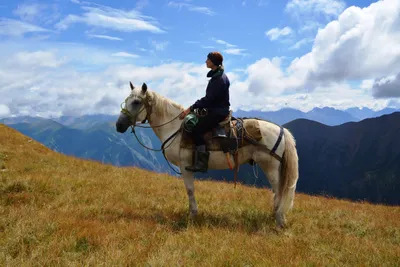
point(277, 141)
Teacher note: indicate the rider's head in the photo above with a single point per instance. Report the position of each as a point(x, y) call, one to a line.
point(214, 59)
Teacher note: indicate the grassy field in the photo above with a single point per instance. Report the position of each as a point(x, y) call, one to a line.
point(57, 210)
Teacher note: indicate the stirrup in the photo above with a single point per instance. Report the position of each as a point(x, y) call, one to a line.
point(200, 162)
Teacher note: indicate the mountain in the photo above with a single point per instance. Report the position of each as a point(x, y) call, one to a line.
point(355, 160)
point(21, 119)
point(86, 121)
point(326, 115)
point(364, 113)
point(329, 116)
point(280, 117)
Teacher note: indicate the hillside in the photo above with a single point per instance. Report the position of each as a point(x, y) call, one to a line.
point(61, 210)
point(98, 141)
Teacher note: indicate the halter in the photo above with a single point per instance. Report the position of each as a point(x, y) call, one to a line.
point(148, 107)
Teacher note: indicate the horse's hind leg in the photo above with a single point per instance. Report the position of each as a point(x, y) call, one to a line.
point(271, 169)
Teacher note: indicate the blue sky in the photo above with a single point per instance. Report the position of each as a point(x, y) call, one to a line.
point(75, 57)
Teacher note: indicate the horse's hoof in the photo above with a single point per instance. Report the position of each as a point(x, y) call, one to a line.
point(193, 214)
point(280, 221)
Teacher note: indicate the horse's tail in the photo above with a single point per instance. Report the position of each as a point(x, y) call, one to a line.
point(289, 175)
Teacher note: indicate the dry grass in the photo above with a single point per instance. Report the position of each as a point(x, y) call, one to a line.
point(59, 210)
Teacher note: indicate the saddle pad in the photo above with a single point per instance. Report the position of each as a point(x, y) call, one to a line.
point(251, 130)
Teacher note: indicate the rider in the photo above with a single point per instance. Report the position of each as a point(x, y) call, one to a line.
point(216, 103)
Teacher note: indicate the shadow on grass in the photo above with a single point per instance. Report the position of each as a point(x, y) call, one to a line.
point(246, 221)
point(176, 221)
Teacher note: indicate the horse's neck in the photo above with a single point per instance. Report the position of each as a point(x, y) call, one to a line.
point(168, 116)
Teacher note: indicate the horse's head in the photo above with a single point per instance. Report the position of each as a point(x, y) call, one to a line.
point(136, 108)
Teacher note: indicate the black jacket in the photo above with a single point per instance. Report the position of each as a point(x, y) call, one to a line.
point(216, 100)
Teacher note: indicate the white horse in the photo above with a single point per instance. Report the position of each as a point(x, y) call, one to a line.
point(162, 115)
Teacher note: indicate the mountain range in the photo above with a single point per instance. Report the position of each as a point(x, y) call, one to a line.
point(326, 115)
point(94, 140)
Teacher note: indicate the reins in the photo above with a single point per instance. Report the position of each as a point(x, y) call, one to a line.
point(148, 108)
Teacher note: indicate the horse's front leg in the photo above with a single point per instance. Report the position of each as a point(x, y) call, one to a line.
point(188, 179)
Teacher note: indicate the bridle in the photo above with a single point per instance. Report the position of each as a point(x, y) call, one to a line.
point(148, 107)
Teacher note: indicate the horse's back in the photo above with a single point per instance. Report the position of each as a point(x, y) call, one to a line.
point(270, 133)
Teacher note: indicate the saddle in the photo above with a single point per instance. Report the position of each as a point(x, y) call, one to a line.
point(228, 136)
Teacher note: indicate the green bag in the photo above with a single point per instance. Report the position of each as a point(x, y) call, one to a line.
point(189, 122)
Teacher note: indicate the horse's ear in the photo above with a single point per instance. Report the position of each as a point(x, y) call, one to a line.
point(144, 87)
point(131, 85)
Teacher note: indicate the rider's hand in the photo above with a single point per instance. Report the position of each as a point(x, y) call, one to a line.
point(184, 113)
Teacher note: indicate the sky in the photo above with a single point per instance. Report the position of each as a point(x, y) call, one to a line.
point(73, 57)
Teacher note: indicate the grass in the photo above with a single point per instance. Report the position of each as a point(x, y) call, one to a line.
point(60, 210)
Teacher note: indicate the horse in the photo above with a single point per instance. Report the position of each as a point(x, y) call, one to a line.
point(162, 114)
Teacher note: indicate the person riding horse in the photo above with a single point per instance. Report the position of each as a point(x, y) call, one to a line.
point(216, 103)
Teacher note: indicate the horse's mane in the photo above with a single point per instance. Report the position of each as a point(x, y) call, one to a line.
point(163, 105)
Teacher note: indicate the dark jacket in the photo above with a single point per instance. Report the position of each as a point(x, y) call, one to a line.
point(216, 100)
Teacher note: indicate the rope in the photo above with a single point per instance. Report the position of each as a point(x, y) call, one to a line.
point(157, 126)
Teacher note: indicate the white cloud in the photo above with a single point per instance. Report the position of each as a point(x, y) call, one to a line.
point(107, 37)
point(310, 25)
point(111, 18)
point(327, 8)
point(18, 28)
point(235, 51)
point(29, 12)
point(224, 43)
point(339, 96)
point(194, 8)
point(367, 84)
point(53, 91)
point(45, 90)
point(276, 33)
point(361, 44)
point(4, 111)
point(207, 47)
point(300, 43)
point(159, 46)
point(230, 49)
point(124, 54)
point(39, 59)
point(265, 77)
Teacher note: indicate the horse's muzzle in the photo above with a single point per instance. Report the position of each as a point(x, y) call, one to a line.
point(120, 127)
